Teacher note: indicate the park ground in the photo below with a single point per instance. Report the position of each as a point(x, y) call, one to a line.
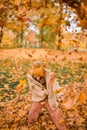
point(15, 98)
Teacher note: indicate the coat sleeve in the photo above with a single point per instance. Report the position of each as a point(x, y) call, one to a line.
point(29, 81)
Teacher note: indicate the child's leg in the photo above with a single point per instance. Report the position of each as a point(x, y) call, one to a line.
point(56, 116)
point(34, 113)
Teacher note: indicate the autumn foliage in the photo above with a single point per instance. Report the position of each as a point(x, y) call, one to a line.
point(47, 16)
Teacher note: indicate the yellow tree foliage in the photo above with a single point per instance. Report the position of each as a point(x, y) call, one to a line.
point(11, 25)
point(8, 39)
point(19, 28)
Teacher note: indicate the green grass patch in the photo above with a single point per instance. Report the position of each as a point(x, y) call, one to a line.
point(12, 71)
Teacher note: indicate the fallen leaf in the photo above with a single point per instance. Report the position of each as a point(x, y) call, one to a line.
point(69, 104)
point(82, 97)
point(58, 90)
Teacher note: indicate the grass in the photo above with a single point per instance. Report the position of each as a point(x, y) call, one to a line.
point(12, 71)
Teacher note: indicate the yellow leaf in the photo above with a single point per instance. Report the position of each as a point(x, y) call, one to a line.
point(58, 90)
point(22, 82)
point(21, 86)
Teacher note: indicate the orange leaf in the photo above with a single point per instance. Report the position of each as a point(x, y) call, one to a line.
point(18, 89)
point(58, 90)
point(69, 104)
point(82, 97)
point(16, 2)
point(11, 25)
point(21, 113)
point(19, 28)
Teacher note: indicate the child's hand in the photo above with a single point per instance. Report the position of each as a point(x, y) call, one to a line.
point(51, 80)
point(52, 75)
point(46, 91)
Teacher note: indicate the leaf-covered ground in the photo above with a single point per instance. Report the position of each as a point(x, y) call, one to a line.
point(15, 97)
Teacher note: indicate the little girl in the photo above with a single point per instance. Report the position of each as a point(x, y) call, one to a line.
point(44, 86)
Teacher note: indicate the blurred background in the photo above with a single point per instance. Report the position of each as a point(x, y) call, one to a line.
point(54, 24)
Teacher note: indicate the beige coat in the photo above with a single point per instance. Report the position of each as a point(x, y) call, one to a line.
point(39, 93)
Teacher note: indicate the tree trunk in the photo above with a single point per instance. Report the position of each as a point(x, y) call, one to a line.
point(1, 35)
point(59, 24)
point(21, 37)
point(30, 3)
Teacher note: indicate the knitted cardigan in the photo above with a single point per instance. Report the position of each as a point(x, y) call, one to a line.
point(39, 92)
